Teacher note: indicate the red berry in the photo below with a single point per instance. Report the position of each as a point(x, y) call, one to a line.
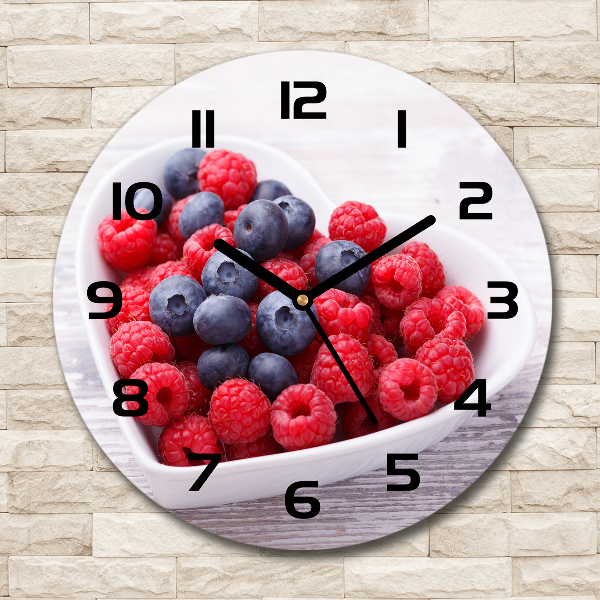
point(168, 269)
point(307, 262)
point(452, 365)
point(390, 322)
point(358, 223)
point(231, 217)
point(190, 347)
point(165, 249)
point(303, 417)
point(201, 246)
point(140, 278)
point(468, 304)
point(357, 423)
point(134, 308)
point(397, 281)
point(287, 270)
point(199, 395)
point(407, 389)
point(239, 412)
point(341, 312)
point(263, 446)
point(251, 343)
point(303, 362)
point(432, 270)
point(298, 253)
point(381, 351)
point(173, 220)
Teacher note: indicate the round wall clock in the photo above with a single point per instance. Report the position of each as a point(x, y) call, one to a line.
point(302, 300)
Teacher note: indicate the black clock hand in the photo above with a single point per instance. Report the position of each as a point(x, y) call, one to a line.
point(341, 365)
point(361, 263)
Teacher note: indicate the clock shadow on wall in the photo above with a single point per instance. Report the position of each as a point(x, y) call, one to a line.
point(388, 140)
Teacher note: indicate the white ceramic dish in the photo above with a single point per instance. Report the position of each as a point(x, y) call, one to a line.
point(500, 350)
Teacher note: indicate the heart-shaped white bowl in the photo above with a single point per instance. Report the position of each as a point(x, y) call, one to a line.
point(500, 350)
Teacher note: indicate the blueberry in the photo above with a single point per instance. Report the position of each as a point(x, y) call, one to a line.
point(222, 320)
point(218, 364)
point(144, 198)
point(272, 374)
point(261, 229)
point(173, 303)
point(283, 328)
point(338, 255)
point(301, 220)
point(203, 209)
point(181, 172)
point(269, 189)
point(221, 275)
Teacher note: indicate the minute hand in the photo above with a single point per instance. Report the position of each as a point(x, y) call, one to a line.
point(361, 263)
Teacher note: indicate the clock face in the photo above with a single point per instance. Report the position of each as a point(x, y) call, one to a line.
point(303, 300)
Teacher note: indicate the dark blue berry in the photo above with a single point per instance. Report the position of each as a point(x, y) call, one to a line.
point(173, 303)
point(301, 220)
point(338, 255)
point(218, 364)
point(272, 374)
point(201, 210)
point(261, 229)
point(144, 198)
point(222, 320)
point(269, 189)
point(181, 172)
point(283, 328)
point(221, 275)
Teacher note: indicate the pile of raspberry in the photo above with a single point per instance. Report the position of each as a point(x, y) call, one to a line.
point(403, 339)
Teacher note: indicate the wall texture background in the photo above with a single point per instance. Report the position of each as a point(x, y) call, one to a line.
point(71, 72)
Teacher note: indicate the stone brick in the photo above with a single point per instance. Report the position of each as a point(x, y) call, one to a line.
point(3, 332)
point(34, 237)
point(254, 577)
point(113, 107)
point(564, 406)
point(113, 492)
point(3, 416)
point(569, 362)
point(24, 368)
point(101, 461)
point(3, 75)
point(174, 22)
point(26, 280)
point(67, 23)
point(2, 145)
point(503, 137)
point(29, 324)
point(557, 147)
point(304, 20)
point(42, 409)
point(2, 237)
point(45, 450)
point(92, 577)
point(571, 232)
point(20, 193)
point(573, 275)
point(42, 108)
point(489, 494)
point(427, 577)
point(54, 149)
point(91, 66)
point(3, 576)
point(576, 319)
point(512, 20)
point(191, 58)
point(3, 493)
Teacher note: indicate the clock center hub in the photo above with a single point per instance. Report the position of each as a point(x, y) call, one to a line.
point(302, 300)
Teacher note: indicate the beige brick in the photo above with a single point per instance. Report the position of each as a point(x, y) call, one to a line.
point(26, 280)
point(44, 108)
point(29, 324)
point(90, 66)
point(558, 62)
point(569, 362)
point(66, 23)
point(2, 237)
point(489, 494)
point(174, 22)
point(2, 145)
point(3, 75)
point(42, 409)
point(350, 20)
point(92, 577)
point(3, 327)
point(24, 368)
point(536, 449)
point(54, 149)
point(113, 492)
point(557, 147)
point(113, 107)
point(572, 233)
point(512, 20)
point(503, 137)
point(3, 493)
point(3, 417)
point(573, 275)
point(101, 461)
point(34, 237)
point(46, 534)
point(564, 406)
point(254, 577)
point(191, 58)
point(3, 576)
point(576, 319)
point(45, 450)
point(426, 577)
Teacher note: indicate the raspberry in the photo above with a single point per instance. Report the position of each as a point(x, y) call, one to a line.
point(229, 175)
point(263, 446)
point(231, 217)
point(199, 401)
point(239, 412)
point(468, 304)
point(165, 249)
point(381, 351)
point(432, 270)
point(425, 318)
point(298, 253)
point(137, 343)
point(140, 278)
point(286, 270)
point(252, 344)
point(390, 323)
point(307, 262)
point(173, 220)
point(303, 417)
point(200, 247)
point(375, 325)
point(190, 347)
point(357, 423)
point(168, 269)
point(303, 362)
point(134, 308)
point(192, 434)
point(358, 223)
point(370, 287)
point(328, 377)
point(407, 389)
point(289, 257)
point(126, 244)
point(167, 394)
point(397, 281)
point(452, 365)
point(341, 312)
